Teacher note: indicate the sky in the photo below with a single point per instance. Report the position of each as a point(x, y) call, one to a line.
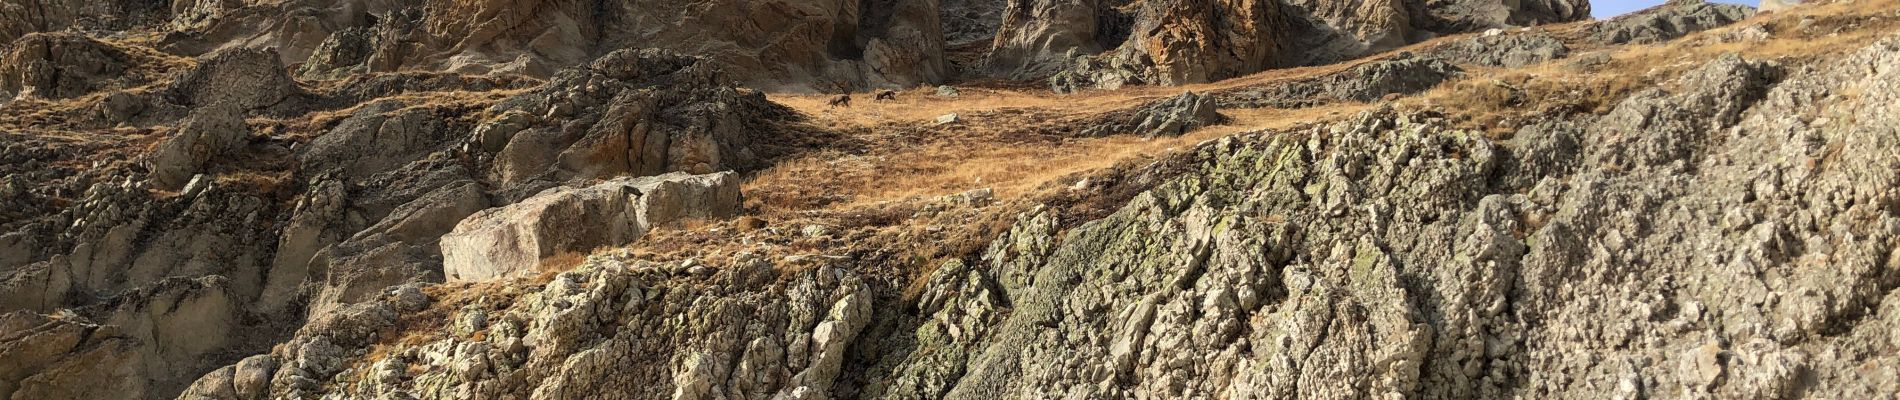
point(1609, 8)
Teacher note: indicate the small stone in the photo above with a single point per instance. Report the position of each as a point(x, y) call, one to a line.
point(815, 231)
point(197, 185)
point(947, 119)
point(948, 91)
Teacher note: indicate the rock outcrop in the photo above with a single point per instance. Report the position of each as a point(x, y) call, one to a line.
point(210, 132)
point(60, 66)
point(1668, 21)
point(513, 240)
point(782, 44)
point(1105, 45)
point(1704, 227)
point(1726, 234)
point(1038, 37)
point(242, 78)
point(1506, 50)
point(1403, 73)
point(209, 207)
point(1172, 116)
point(1188, 41)
point(968, 22)
point(21, 17)
point(633, 112)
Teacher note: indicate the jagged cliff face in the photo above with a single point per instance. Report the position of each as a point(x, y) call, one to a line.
point(1620, 209)
point(810, 45)
point(1107, 44)
point(805, 45)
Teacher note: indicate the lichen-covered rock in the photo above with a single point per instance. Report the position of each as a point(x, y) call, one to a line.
point(512, 240)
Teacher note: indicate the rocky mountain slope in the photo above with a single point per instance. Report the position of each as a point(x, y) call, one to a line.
point(558, 199)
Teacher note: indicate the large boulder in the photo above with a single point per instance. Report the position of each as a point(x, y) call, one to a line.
point(210, 132)
point(1467, 15)
point(44, 357)
point(1402, 73)
point(1503, 50)
point(247, 79)
point(514, 240)
point(777, 44)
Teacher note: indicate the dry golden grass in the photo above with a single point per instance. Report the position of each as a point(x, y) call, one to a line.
point(1498, 101)
point(996, 145)
point(908, 156)
point(562, 262)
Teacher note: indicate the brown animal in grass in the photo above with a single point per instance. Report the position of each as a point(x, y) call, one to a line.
point(887, 95)
point(843, 100)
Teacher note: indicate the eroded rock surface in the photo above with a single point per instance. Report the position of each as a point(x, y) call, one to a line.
point(202, 230)
point(59, 66)
point(1507, 50)
point(512, 240)
point(638, 112)
point(1403, 73)
point(1106, 44)
point(1668, 21)
point(1726, 234)
point(1173, 116)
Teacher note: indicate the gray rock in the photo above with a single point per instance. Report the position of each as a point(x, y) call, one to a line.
point(512, 240)
point(62, 65)
point(210, 132)
point(1503, 50)
point(1668, 21)
point(1173, 116)
point(970, 21)
point(247, 79)
point(1778, 5)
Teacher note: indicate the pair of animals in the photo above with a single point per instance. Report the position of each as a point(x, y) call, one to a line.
point(844, 100)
